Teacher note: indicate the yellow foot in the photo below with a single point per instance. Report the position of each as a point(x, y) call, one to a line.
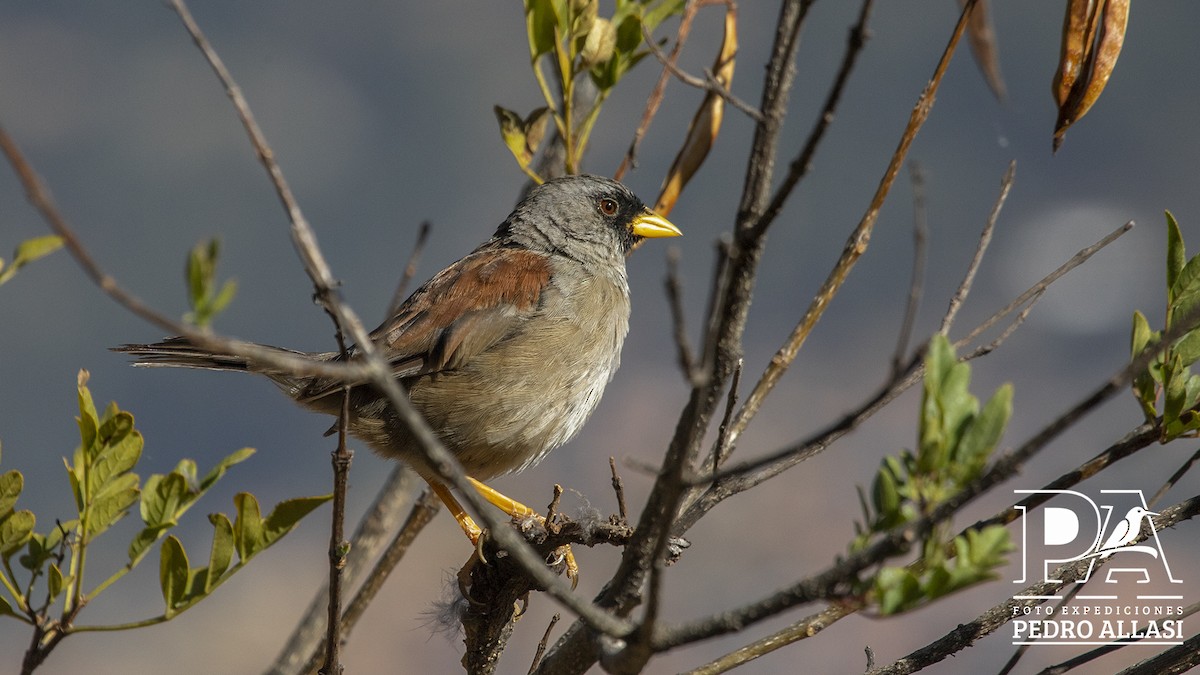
point(510, 506)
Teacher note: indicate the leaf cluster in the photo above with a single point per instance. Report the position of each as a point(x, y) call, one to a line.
point(204, 298)
point(105, 489)
point(578, 43)
point(955, 441)
point(1169, 374)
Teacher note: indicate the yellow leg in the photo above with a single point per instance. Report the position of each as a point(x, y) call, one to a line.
point(506, 504)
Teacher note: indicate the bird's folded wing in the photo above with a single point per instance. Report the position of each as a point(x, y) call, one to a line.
point(461, 312)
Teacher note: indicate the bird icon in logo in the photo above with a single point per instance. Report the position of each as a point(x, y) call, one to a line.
point(1125, 531)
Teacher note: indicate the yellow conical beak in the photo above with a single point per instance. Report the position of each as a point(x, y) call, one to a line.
point(651, 225)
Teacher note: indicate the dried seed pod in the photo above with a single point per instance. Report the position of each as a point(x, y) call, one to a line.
point(705, 125)
point(1087, 59)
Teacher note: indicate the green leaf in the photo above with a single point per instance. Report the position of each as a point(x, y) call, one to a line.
point(541, 24)
point(1188, 348)
point(225, 296)
point(1184, 293)
point(123, 483)
point(656, 13)
point(11, 484)
point(1140, 336)
point(112, 506)
point(982, 435)
point(1176, 255)
point(115, 460)
point(6, 608)
point(201, 275)
point(142, 541)
point(512, 131)
point(946, 406)
point(28, 251)
point(886, 500)
point(222, 550)
point(247, 527)
point(223, 466)
point(161, 499)
point(89, 421)
point(287, 514)
point(1175, 390)
point(897, 589)
point(38, 247)
point(54, 581)
point(15, 531)
point(173, 574)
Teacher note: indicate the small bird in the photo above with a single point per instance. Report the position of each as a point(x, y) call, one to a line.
point(506, 352)
point(1125, 531)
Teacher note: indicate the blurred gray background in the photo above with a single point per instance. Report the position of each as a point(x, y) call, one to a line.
point(380, 114)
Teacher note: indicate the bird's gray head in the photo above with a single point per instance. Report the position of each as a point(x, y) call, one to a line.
point(584, 217)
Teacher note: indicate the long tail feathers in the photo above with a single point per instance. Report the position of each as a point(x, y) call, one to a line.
point(177, 352)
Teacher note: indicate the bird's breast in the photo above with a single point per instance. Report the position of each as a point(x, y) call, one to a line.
point(533, 391)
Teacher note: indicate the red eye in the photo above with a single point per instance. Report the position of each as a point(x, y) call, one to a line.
point(607, 206)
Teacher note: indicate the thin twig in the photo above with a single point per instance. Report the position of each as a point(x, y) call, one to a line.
point(1086, 657)
point(410, 269)
point(619, 489)
point(856, 244)
point(541, 647)
point(552, 510)
point(805, 628)
point(916, 284)
point(985, 238)
point(272, 359)
point(305, 242)
point(339, 548)
point(370, 537)
point(683, 347)
point(1075, 261)
point(1177, 659)
point(799, 167)
point(983, 350)
point(423, 511)
point(1020, 651)
point(1179, 473)
point(774, 463)
point(721, 447)
point(629, 161)
point(707, 83)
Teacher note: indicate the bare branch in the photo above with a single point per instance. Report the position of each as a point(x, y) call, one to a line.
point(807, 627)
point(382, 517)
point(707, 83)
point(917, 284)
point(683, 347)
point(1177, 659)
point(541, 648)
point(985, 238)
point(619, 489)
point(1035, 290)
point(423, 511)
point(410, 269)
point(800, 166)
point(1179, 473)
point(1075, 662)
point(855, 246)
